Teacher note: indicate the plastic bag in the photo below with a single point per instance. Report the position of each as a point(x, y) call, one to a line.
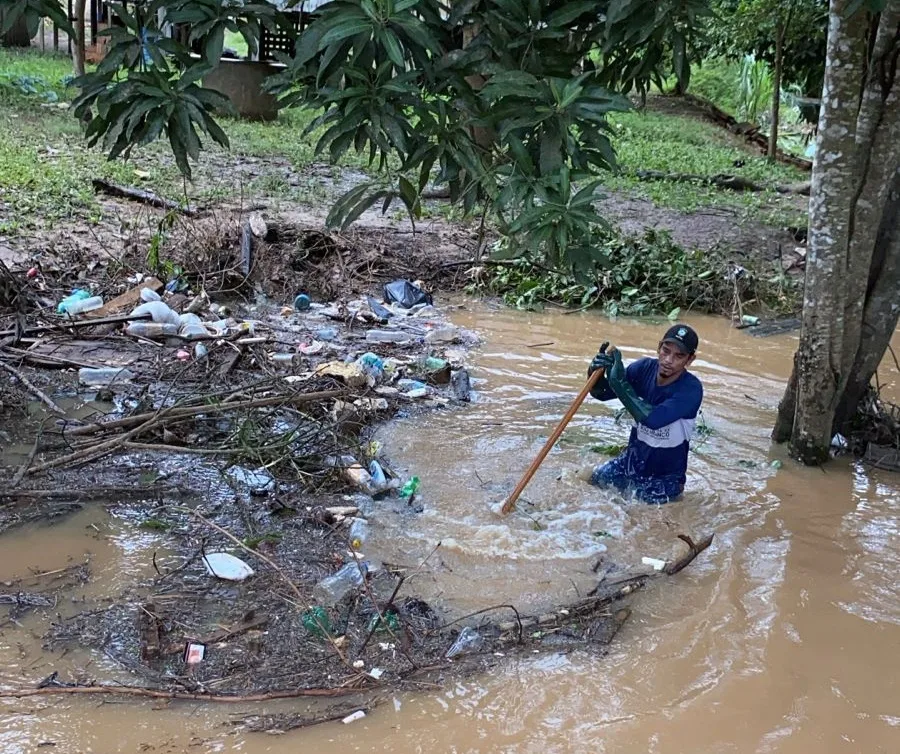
point(406, 294)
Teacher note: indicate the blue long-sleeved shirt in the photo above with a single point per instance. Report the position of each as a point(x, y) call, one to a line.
point(659, 445)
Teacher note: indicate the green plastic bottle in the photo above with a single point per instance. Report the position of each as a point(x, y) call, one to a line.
point(410, 488)
point(316, 621)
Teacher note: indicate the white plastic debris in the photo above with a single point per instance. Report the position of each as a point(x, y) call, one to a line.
point(376, 673)
point(258, 480)
point(353, 717)
point(159, 311)
point(358, 664)
point(226, 566)
point(656, 563)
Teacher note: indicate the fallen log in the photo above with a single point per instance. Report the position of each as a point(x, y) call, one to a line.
point(749, 131)
point(724, 181)
point(142, 196)
point(185, 695)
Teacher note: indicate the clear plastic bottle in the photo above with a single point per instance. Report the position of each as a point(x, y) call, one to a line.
point(387, 336)
point(469, 640)
point(442, 335)
point(330, 590)
point(83, 305)
point(359, 533)
point(151, 330)
point(159, 311)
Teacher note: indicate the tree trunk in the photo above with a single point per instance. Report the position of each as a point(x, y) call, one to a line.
point(772, 150)
point(849, 308)
point(78, 51)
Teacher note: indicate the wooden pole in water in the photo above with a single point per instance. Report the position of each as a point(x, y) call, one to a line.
point(551, 441)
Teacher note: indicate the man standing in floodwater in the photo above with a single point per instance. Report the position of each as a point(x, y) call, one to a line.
point(663, 398)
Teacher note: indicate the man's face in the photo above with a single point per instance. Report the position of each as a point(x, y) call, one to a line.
point(672, 360)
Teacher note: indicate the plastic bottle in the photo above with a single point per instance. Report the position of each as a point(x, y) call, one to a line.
point(387, 336)
point(467, 641)
point(330, 590)
point(316, 621)
point(359, 533)
point(410, 488)
point(83, 305)
point(326, 333)
point(442, 335)
point(151, 330)
point(302, 302)
point(159, 311)
point(192, 331)
point(104, 375)
point(377, 473)
point(79, 294)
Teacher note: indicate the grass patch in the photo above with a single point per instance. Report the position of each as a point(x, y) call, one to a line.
point(46, 168)
point(678, 144)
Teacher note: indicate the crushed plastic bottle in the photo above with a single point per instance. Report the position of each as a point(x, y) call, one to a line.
point(377, 473)
point(159, 311)
point(387, 336)
point(443, 335)
point(151, 330)
point(468, 640)
point(193, 331)
point(104, 375)
point(332, 589)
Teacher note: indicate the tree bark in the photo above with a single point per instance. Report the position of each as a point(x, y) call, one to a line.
point(772, 150)
point(78, 51)
point(850, 308)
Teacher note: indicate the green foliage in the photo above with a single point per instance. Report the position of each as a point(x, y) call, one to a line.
point(638, 276)
point(146, 86)
point(717, 79)
point(756, 89)
point(505, 119)
point(749, 27)
point(32, 11)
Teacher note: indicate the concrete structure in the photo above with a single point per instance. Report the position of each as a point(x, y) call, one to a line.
point(242, 82)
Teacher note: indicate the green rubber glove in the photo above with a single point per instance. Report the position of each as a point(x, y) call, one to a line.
point(637, 407)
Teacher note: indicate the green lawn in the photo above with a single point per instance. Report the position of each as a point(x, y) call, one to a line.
point(670, 143)
point(46, 168)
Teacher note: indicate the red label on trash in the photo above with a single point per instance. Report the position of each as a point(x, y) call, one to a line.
point(194, 653)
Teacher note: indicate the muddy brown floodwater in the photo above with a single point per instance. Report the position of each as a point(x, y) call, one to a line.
point(782, 637)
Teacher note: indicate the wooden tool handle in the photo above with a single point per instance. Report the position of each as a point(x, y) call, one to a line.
point(551, 441)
